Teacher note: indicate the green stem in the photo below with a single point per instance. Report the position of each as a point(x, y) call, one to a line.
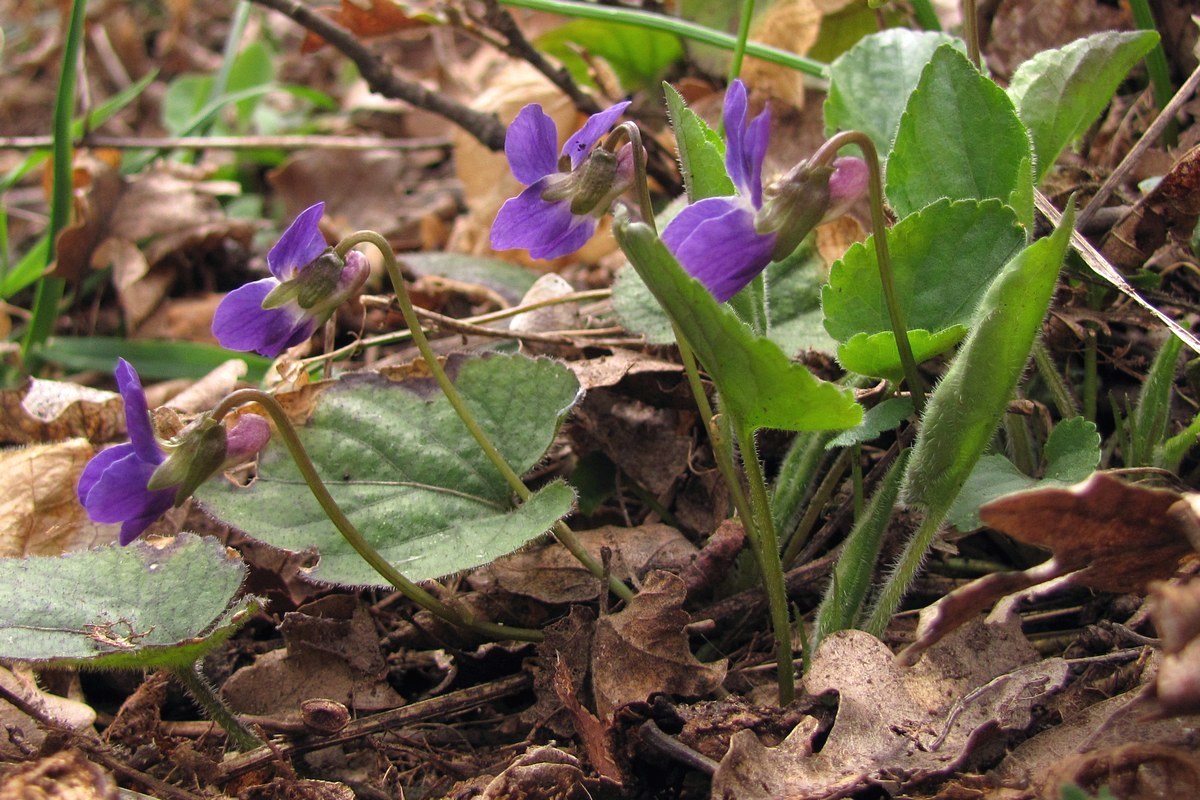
point(352, 535)
point(971, 30)
point(679, 27)
point(903, 573)
point(739, 47)
point(50, 289)
point(1091, 380)
point(1059, 393)
point(825, 155)
point(563, 533)
point(769, 564)
point(816, 505)
point(215, 708)
point(1156, 64)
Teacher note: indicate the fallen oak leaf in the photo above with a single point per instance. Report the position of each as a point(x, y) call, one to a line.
point(1112, 536)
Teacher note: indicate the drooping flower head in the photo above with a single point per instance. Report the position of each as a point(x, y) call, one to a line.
point(116, 485)
point(308, 282)
point(724, 242)
point(566, 191)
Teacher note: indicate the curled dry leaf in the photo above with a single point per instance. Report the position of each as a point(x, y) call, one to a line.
point(642, 650)
point(893, 724)
point(67, 775)
point(1169, 209)
point(40, 514)
point(41, 411)
point(1113, 536)
point(1175, 609)
point(542, 772)
point(790, 25)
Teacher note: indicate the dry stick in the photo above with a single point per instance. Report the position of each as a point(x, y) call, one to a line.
point(1148, 139)
point(381, 78)
point(453, 703)
point(286, 142)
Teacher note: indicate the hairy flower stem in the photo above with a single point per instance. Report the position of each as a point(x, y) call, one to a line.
point(769, 563)
point(825, 155)
point(215, 708)
point(561, 531)
point(352, 535)
point(970, 29)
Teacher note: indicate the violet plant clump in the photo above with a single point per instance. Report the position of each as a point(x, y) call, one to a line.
point(566, 192)
point(137, 482)
point(308, 282)
point(725, 242)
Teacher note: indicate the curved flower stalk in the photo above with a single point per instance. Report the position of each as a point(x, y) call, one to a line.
point(724, 242)
point(566, 192)
point(308, 282)
point(135, 483)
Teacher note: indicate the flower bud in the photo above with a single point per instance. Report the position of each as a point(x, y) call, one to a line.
point(203, 448)
point(591, 189)
point(793, 205)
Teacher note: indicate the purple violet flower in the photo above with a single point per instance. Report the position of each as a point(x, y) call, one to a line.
point(724, 242)
point(114, 486)
point(309, 281)
point(566, 193)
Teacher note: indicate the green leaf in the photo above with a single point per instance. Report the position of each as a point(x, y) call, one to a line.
point(639, 56)
point(885, 416)
point(795, 320)
point(701, 151)
point(254, 67)
point(876, 353)
point(137, 606)
point(404, 469)
point(758, 384)
point(943, 259)
point(870, 84)
point(153, 359)
point(510, 280)
point(959, 138)
point(1060, 93)
point(967, 405)
point(1072, 453)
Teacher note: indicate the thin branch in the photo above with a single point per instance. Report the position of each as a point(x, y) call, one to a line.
point(382, 78)
point(289, 142)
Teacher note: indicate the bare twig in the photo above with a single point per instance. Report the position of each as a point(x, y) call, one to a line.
point(435, 707)
point(382, 78)
point(234, 142)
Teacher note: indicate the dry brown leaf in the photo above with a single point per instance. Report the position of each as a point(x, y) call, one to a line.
point(1132, 771)
point(40, 514)
point(542, 773)
point(21, 681)
point(67, 775)
point(893, 724)
point(97, 186)
point(550, 574)
point(592, 731)
point(611, 369)
point(1113, 536)
point(643, 650)
point(366, 19)
point(791, 25)
point(42, 411)
point(1175, 609)
point(332, 653)
point(1168, 210)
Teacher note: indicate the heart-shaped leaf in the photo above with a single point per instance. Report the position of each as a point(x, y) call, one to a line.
point(944, 257)
point(144, 605)
point(959, 138)
point(869, 85)
point(1059, 93)
point(402, 466)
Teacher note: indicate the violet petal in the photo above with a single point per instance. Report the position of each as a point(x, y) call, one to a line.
point(530, 145)
point(95, 468)
point(299, 244)
point(120, 493)
point(241, 323)
point(715, 241)
point(581, 143)
point(137, 413)
point(545, 229)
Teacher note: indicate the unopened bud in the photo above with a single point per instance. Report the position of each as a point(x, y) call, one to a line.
point(793, 205)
